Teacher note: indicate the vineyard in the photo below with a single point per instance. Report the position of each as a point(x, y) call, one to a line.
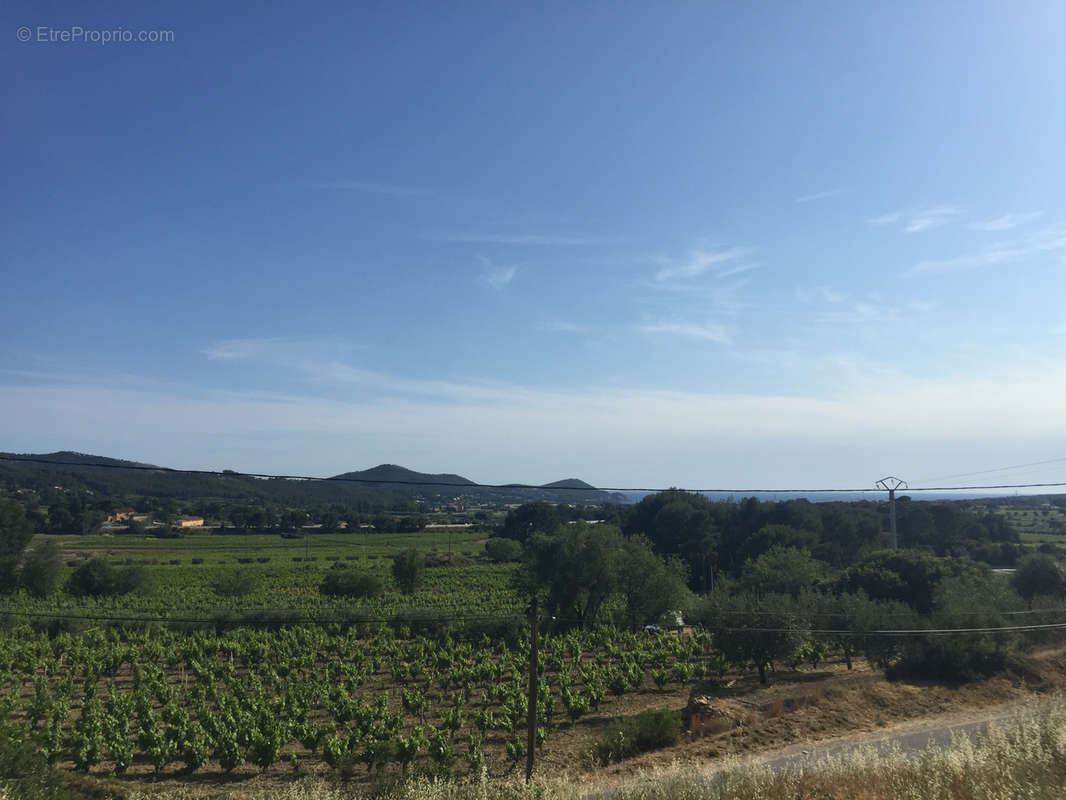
point(361, 702)
point(281, 575)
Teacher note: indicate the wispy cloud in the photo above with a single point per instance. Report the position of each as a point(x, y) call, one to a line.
point(369, 187)
point(1046, 241)
point(823, 294)
point(721, 262)
point(810, 198)
point(289, 352)
point(707, 332)
point(918, 221)
point(543, 239)
point(882, 220)
point(498, 277)
point(627, 436)
point(930, 218)
point(239, 349)
point(1006, 222)
point(859, 314)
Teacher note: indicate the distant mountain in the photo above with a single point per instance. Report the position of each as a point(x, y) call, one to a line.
point(569, 483)
point(389, 473)
point(69, 457)
point(384, 484)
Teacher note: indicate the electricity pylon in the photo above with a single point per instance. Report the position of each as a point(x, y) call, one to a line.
point(890, 484)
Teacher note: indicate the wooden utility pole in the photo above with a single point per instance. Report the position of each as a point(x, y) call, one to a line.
point(890, 485)
point(531, 712)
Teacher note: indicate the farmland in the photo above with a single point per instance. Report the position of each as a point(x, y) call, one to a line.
point(222, 659)
point(356, 700)
point(283, 574)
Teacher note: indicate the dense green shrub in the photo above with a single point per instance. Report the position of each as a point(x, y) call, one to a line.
point(629, 736)
point(1038, 574)
point(236, 583)
point(40, 571)
point(25, 772)
point(98, 578)
point(407, 569)
point(349, 583)
point(501, 550)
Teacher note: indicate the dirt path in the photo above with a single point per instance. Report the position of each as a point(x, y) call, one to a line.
point(911, 736)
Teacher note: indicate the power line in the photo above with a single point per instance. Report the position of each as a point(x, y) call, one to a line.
point(359, 619)
point(997, 469)
point(230, 616)
point(908, 632)
point(524, 486)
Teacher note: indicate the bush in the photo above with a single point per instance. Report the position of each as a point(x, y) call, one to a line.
point(9, 574)
point(40, 572)
point(421, 621)
point(168, 532)
point(630, 736)
point(132, 579)
point(234, 584)
point(26, 773)
point(359, 585)
point(407, 569)
point(435, 559)
point(198, 561)
point(97, 578)
point(501, 550)
point(1037, 574)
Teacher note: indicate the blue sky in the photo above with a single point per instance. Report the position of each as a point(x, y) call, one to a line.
point(699, 244)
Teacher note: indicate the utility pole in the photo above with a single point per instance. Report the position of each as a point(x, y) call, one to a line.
point(890, 484)
point(531, 713)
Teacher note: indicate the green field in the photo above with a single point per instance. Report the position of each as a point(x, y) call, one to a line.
point(1043, 521)
point(284, 575)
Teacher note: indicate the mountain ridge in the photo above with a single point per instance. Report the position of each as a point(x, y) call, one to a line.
point(102, 473)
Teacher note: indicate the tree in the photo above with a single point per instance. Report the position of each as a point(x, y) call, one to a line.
point(576, 569)
point(1037, 574)
point(777, 535)
point(15, 533)
point(95, 578)
point(135, 527)
point(346, 583)
point(60, 520)
point(910, 576)
point(501, 550)
point(15, 528)
point(679, 523)
point(40, 571)
point(90, 522)
point(781, 570)
point(407, 569)
point(329, 520)
point(530, 518)
point(759, 630)
point(293, 520)
point(649, 584)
